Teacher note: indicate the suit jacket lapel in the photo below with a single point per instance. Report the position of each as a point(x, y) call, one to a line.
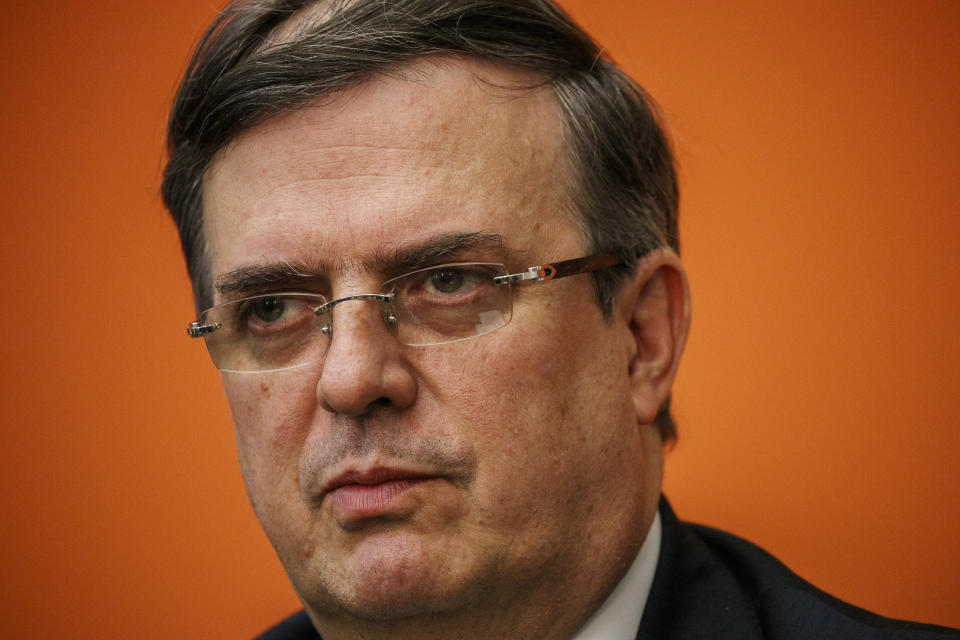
point(694, 595)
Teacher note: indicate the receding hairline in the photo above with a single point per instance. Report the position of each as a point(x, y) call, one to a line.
point(498, 80)
point(318, 12)
point(301, 21)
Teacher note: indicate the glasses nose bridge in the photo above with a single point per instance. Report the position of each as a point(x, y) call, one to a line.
point(386, 309)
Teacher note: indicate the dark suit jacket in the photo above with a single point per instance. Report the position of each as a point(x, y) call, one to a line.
point(712, 585)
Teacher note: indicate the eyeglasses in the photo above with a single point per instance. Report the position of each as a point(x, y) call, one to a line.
point(437, 305)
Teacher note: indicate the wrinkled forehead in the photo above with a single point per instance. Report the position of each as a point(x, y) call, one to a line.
point(488, 99)
point(443, 145)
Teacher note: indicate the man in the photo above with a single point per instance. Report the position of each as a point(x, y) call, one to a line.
point(433, 245)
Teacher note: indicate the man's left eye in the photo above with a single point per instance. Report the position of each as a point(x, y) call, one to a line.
point(447, 280)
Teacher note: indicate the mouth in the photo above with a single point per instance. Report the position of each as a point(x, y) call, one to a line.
point(372, 493)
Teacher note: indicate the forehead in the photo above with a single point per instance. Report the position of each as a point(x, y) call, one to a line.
point(447, 146)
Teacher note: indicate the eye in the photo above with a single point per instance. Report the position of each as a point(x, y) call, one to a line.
point(268, 309)
point(447, 280)
point(446, 284)
point(275, 314)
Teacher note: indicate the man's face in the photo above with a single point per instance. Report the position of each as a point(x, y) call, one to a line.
point(397, 480)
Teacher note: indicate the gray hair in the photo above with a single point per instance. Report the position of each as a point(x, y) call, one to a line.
point(260, 58)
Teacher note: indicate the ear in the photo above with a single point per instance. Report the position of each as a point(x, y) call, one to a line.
point(655, 303)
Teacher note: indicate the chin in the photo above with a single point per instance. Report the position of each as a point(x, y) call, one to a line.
point(388, 578)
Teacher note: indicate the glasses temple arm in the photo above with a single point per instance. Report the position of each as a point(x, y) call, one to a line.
point(197, 330)
point(561, 269)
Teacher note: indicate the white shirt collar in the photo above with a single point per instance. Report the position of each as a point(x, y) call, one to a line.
point(618, 618)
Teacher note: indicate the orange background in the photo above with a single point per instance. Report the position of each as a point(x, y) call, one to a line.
point(818, 401)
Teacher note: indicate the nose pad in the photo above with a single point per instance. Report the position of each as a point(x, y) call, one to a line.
point(326, 322)
point(363, 368)
point(325, 312)
point(389, 317)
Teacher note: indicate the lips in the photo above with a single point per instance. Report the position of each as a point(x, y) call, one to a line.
point(372, 493)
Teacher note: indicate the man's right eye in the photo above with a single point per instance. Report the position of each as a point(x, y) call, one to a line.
point(268, 309)
point(271, 315)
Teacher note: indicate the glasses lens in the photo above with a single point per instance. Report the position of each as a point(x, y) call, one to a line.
point(265, 333)
point(449, 302)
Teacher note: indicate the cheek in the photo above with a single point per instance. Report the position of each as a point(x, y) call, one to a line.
point(272, 414)
point(544, 416)
point(523, 410)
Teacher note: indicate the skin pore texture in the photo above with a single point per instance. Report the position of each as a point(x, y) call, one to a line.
point(516, 474)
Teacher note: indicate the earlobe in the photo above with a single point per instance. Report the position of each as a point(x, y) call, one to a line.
point(656, 306)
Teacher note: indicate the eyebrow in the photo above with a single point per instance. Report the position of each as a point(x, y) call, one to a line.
point(291, 273)
point(436, 249)
point(256, 277)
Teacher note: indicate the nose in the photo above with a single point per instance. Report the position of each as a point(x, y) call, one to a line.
point(364, 365)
